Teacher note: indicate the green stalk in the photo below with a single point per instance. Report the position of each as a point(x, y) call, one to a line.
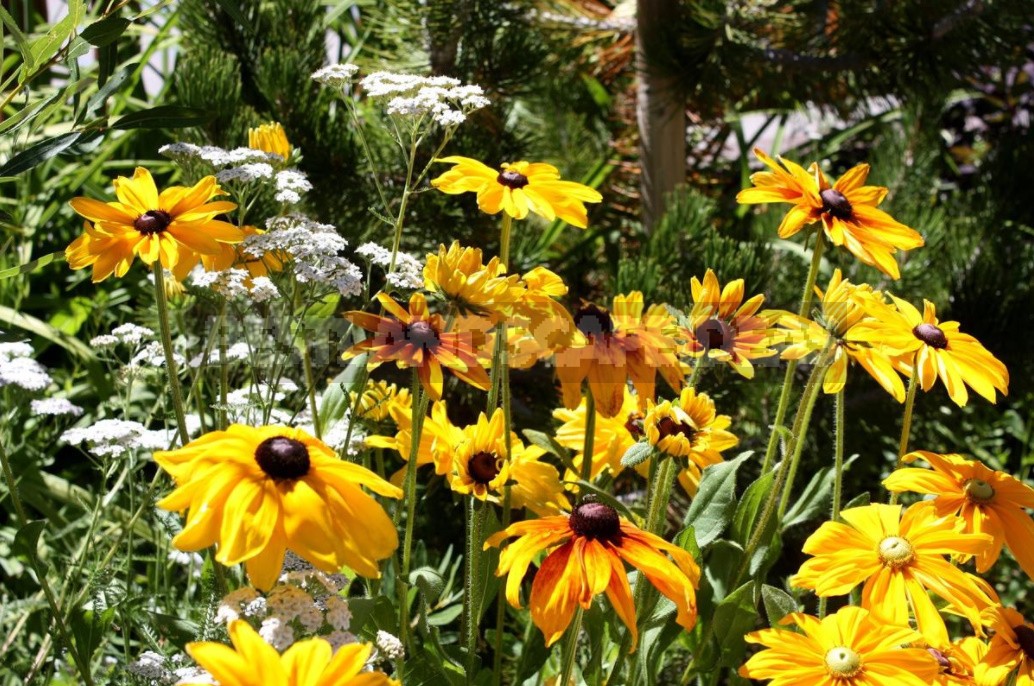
point(310, 382)
point(81, 663)
point(170, 360)
point(419, 409)
point(476, 511)
point(500, 600)
point(224, 369)
point(590, 436)
point(570, 648)
point(838, 471)
point(504, 241)
point(791, 366)
point(906, 423)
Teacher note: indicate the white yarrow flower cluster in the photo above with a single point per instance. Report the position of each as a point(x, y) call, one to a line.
point(389, 647)
point(244, 166)
point(161, 671)
point(445, 99)
point(56, 407)
point(246, 173)
point(314, 250)
point(235, 284)
point(115, 437)
point(152, 356)
point(217, 157)
point(235, 352)
point(336, 75)
point(290, 185)
point(409, 271)
point(18, 368)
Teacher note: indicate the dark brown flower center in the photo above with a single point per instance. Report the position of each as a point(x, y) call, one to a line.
point(944, 662)
point(669, 427)
point(1025, 637)
point(512, 179)
point(152, 222)
point(835, 203)
point(931, 335)
point(484, 467)
point(422, 335)
point(634, 425)
point(593, 321)
point(282, 458)
point(714, 334)
point(595, 520)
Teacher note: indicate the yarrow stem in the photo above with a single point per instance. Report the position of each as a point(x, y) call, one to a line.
point(906, 423)
point(476, 512)
point(170, 360)
point(791, 366)
point(419, 409)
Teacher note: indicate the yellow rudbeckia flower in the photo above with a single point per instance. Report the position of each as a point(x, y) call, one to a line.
point(270, 138)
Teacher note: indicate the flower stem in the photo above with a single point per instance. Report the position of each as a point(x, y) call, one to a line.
point(57, 614)
point(570, 649)
point(838, 471)
point(224, 368)
point(590, 436)
point(419, 409)
point(170, 360)
point(504, 241)
point(310, 382)
point(476, 511)
point(906, 423)
point(791, 366)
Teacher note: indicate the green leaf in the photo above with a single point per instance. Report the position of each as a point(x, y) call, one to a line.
point(547, 443)
point(47, 46)
point(748, 512)
point(27, 114)
point(733, 618)
point(637, 454)
point(334, 405)
point(860, 500)
point(26, 542)
point(21, 41)
point(778, 603)
point(430, 582)
point(89, 628)
point(715, 502)
point(105, 31)
point(39, 152)
point(33, 265)
point(164, 117)
point(72, 315)
point(11, 317)
point(722, 561)
point(353, 373)
point(816, 499)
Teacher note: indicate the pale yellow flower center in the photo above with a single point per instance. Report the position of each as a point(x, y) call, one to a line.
point(979, 491)
point(896, 551)
point(842, 662)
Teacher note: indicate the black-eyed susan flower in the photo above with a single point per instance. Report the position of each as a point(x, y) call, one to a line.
point(724, 328)
point(270, 138)
point(848, 210)
point(606, 348)
point(518, 188)
point(256, 493)
point(988, 501)
point(1011, 651)
point(418, 339)
point(586, 554)
point(849, 648)
point(936, 349)
point(174, 227)
point(689, 427)
point(957, 662)
point(378, 399)
point(612, 438)
point(312, 662)
point(438, 435)
point(899, 558)
point(842, 306)
point(478, 465)
point(460, 276)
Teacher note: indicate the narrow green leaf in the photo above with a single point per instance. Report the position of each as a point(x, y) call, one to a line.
point(33, 265)
point(746, 519)
point(39, 152)
point(715, 502)
point(778, 603)
point(637, 454)
point(816, 499)
point(47, 46)
point(28, 113)
point(105, 31)
point(98, 99)
point(163, 117)
point(733, 618)
point(547, 443)
point(11, 317)
point(26, 542)
point(860, 500)
point(88, 629)
point(20, 40)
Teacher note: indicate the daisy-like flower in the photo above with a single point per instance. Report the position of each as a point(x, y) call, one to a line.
point(174, 227)
point(587, 549)
point(847, 209)
point(418, 339)
point(312, 662)
point(850, 648)
point(898, 558)
point(843, 305)
point(270, 138)
point(478, 466)
point(263, 263)
point(608, 348)
point(724, 328)
point(957, 662)
point(460, 277)
point(378, 398)
point(518, 188)
point(258, 492)
point(612, 439)
point(934, 348)
point(437, 435)
point(988, 501)
point(1011, 651)
point(689, 427)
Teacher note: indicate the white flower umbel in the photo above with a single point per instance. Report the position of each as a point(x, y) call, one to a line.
point(152, 356)
point(234, 353)
point(389, 646)
point(444, 99)
point(55, 406)
point(409, 271)
point(114, 437)
point(246, 173)
point(376, 254)
point(216, 157)
point(290, 185)
point(126, 334)
point(313, 249)
point(192, 561)
point(336, 75)
point(24, 372)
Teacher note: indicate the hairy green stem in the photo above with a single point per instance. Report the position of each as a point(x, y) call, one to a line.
point(310, 382)
point(170, 360)
point(838, 470)
point(791, 366)
point(476, 511)
point(570, 649)
point(504, 240)
point(419, 409)
point(906, 424)
point(590, 436)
